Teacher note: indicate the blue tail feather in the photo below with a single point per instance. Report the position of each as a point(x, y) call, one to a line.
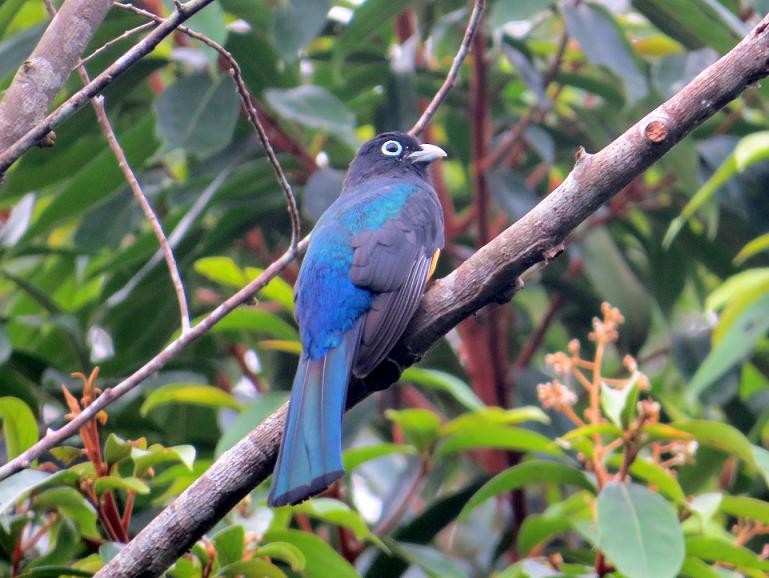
point(310, 455)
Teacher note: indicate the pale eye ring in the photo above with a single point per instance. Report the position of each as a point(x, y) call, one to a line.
point(392, 148)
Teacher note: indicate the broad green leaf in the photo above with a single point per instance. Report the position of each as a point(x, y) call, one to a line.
point(355, 457)
point(604, 43)
point(158, 454)
point(731, 288)
point(746, 507)
point(537, 528)
point(128, 484)
point(337, 513)
point(367, 18)
point(229, 543)
point(314, 107)
point(295, 23)
point(659, 477)
point(253, 319)
point(705, 506)
point(16, 486)
point(736, 344)
point(498, 437)
point(322, 560)
point(188, 393)
point(503, 12)
point(222, 270)
point(619, 404)
point(72, 505)
point(718, 435)
point(443, 381)
point(639, 531)
point(19, 425)
point(249, 417)
point(212, 23)
point(758, 245)
point(420, 426)
point(714, 549)
point(694, 23)
point(289, 553)
point(696, 568)
point(66, 454)
point(116, 449)
point(276, 290)
point(528, 472)
point(253, 568)
point(197, 114)
point(494, 416)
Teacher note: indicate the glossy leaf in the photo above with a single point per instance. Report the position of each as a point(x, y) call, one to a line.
point(321, 560)
point(498, 437)
point(19, 425)
point(494, 416)
point(188, 393)
point(18, 485)
point(420, 426)
point(639, 531)
point(715, 549)
point(443, 381)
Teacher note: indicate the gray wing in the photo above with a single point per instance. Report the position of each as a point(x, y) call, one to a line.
point(395, 262)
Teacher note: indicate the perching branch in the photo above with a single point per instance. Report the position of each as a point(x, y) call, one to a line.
point(488, 276)
point(18, 145)
point(42, 75)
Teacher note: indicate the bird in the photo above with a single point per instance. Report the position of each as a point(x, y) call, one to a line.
point(367, 264)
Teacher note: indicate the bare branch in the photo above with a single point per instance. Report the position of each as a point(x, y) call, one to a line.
point(490, 275)
point(123, 36)
point(451, 77)
point(41, 128)
point(42, 75)
point(248, 104)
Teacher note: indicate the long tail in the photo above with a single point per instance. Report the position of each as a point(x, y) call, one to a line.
point(310, 456)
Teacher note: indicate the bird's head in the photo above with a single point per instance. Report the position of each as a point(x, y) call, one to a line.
point(395, 154)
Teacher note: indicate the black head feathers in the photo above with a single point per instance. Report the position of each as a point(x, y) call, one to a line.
point(395, 154)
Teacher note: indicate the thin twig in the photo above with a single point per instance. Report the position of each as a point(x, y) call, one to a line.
point(110, 43)
point(104, 79)
point(451, 77)
point(149, 213)
point(248, 103)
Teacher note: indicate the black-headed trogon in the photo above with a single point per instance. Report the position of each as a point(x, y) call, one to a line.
point(369, 258)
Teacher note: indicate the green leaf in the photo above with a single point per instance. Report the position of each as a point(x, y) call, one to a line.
point(494, 416)
point(276, 290)
point(443, 381)
point(503, 12)
point(72, 505)
point(314, 107)
point(745, 507)
point(368, 17)
point(249, 417)
point(295, 23)
point(659, 477)
point(198, 114)
point(284, 551)
point(222, 270)
point(19, 425)
point(717, 435)
point(229, 544)
point(736, 285)
point(322, 560)
point(158, 454)
point(18, 222)
point(355, 457)
point(735, 345)
point(705, 506)
point(128, 484)
point(604, 43)
point(18, 485)
point(714, 549)
point(188, 393)
point(537, 528)
point(696, 568)
point(254, 568)
point(253, 319)
point(639, 531)
point(54, 571)
point(66, 454)
point(498, 437)
point(116, 449)
point(337, 513)
point(751, 149)
point(420, 426)
point(619, 404)
point(753, 248)
point(528, 472)
point(761, 460)
point(694, 23)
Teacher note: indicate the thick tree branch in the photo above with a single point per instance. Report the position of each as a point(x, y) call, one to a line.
point(42, 75)
point(488, 276)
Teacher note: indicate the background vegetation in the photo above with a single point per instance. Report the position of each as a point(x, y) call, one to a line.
point(638, 451)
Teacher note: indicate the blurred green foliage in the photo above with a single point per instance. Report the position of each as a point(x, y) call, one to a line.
point(443, 483)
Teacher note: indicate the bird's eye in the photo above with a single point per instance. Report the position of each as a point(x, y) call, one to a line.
point(392, 148)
